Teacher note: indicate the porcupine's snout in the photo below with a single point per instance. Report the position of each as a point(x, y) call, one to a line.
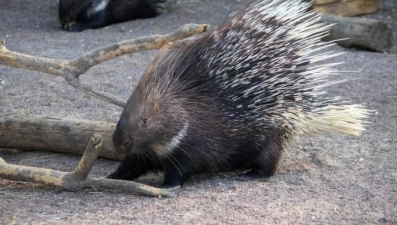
point(122, 140)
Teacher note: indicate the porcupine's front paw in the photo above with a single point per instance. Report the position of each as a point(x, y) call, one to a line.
point(75, 26)
point(117, 175)
point(131, 167)
point(113, 175)
point(162, 6)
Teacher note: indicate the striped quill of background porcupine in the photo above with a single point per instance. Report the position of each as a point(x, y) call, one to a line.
point(235, 98)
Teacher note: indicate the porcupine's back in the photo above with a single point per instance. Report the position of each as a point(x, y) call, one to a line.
point(257, 66)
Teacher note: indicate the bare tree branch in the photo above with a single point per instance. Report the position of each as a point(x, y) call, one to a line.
point(79, 179)
point(71, 70)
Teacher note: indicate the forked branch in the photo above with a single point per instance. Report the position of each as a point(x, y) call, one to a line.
point(78, 178)
point(71, 70)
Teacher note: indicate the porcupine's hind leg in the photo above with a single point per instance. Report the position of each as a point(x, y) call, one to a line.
point(264, 164)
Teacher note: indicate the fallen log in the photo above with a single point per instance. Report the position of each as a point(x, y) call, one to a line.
point(56, 134)
point(364, 33)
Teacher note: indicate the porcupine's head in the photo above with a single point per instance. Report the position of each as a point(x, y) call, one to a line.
point(153, 121)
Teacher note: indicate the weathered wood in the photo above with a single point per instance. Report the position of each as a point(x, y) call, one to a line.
point(55, 134)
point(71, 70)
point(78, 178)
point(359, 32)
point(346, 7)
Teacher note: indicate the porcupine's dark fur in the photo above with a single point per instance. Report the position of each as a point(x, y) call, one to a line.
point(78, 15)
point(234, 99)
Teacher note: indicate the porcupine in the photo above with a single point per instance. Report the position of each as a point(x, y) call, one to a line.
point(234, 98)
point(78, 15)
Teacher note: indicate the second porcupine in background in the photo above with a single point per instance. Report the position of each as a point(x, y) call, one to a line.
point(234, 99)
point(79, 15)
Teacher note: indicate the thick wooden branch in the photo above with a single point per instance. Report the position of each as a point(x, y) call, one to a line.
point(56, 134)
point(359, 32)
point(70, 70)
point(79, 179)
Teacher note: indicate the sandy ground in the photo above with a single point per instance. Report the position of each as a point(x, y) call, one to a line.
point(322, 180)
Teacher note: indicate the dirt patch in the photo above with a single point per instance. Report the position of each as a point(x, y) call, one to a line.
point(324, 180)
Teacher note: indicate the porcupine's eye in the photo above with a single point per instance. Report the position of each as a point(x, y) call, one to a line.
point(144, 120)
point(126, 142)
